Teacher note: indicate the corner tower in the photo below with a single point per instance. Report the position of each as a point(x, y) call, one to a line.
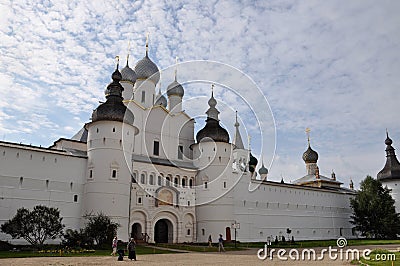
point(214, 182)
point(390, 174)
point(111, 135)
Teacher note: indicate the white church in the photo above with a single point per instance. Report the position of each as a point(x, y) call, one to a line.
point(140, 161)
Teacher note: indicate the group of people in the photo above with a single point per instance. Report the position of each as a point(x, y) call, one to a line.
point(131, 247)
point(220, 243)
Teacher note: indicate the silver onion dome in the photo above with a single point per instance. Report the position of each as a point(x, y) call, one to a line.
point(175, 88)
point(146, 69)
point(128, 74)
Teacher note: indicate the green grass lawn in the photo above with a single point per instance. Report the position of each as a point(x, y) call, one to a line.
point(140, 250)
point(385, 258)
point(321, 243)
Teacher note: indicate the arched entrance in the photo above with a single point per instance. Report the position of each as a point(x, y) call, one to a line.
point(137, 231)
point(163, 231)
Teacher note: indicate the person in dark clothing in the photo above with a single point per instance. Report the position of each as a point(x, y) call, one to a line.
point(132, 249)
point(221, 244)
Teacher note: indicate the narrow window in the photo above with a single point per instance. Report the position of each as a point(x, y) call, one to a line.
point(188, 232)
point(75, 198)
point(143, 96)
point(203, 232)
point(47, 184)
point(180, 152)
point(159, 181)
point(113, 129)
point(90, 173)
point(142, 179)
point(114, 174)
point(156, 148)
point(151, 180)
point(191, 183)
point(139, 200)
point(224, 184)
point(176, 181)
point(188, 203)
point(183, 182)
point(70, 186)
point(205, 184)
point(21, 180)
point(133, 177)
point(168, 180)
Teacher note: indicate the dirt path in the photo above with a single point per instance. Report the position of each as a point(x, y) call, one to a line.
point(229, 258)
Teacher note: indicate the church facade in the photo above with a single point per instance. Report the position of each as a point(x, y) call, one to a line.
point(140, 162)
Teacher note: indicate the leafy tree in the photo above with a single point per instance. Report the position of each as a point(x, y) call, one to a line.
point(36, 226)
point(374, 213)
point(75, 238)
point(100, 228)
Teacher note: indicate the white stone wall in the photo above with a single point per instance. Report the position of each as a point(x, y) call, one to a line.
point(309, 213)
point(394, 185)
point(30, 176)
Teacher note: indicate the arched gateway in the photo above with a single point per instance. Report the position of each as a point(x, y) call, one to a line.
point(163, 231)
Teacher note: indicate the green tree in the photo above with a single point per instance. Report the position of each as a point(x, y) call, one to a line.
point(36, 226)
point(77, 238)
point(101, 228)
point(374, 213)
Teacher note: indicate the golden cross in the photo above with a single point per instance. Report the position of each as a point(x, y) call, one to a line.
point(147, 42)
point(308, 130)
point(117, 58)
point(176, 67)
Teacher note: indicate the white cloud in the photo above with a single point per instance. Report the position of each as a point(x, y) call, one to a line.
point(321, 64)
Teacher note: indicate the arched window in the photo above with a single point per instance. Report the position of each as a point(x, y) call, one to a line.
point(151, 181)
point(168, 180)
point(159, 181)
point(188, 232)
point(176, 181)
point(143, 179)
point(183, 182)
point(191, 182)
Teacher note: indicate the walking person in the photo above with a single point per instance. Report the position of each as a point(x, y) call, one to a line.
point(221, 243)
point(209, 241)
point(132, 249)
point(114, 246)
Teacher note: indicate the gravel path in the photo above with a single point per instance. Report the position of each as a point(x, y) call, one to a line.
point(229, 258)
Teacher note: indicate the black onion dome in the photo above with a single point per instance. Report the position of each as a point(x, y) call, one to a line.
point(145, 69)
point(175, 88)
point(310, 156)
point(388, 141)
point(113, 109)
point(128, 74)
point(212, 131)
point(252, 163)
point(391, 170)
point(253, 160)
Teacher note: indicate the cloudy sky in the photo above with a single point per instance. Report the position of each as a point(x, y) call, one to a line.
point(332, 66)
